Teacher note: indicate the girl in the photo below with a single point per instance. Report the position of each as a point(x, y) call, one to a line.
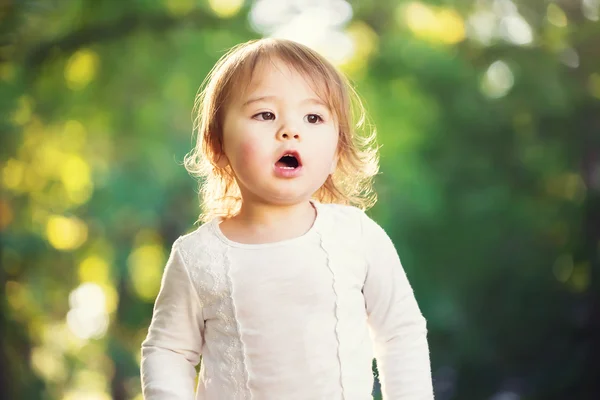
point(288, 290)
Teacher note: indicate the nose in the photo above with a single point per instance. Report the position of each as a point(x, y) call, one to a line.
point(286, 132)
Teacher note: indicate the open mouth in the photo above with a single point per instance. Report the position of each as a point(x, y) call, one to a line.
point(288, 161)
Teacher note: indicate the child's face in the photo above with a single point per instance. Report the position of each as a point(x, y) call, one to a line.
point(278, 115)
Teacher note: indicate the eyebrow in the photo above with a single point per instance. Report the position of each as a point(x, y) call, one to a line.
point(309, 100)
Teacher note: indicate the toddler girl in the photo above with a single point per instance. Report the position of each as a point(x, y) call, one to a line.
point(288, 290)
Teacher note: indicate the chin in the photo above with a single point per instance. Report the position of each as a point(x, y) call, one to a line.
point(288, 193)
point(288, 200)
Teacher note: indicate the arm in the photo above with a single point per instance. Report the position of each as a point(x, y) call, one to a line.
point(175, 336)
point(397, 325)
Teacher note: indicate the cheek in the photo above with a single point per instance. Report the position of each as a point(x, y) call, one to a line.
point(247, 154)
point(333, 145)
point(249, 151)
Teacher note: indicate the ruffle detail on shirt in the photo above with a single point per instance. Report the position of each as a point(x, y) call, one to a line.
point(327, 248)
point(345, 260)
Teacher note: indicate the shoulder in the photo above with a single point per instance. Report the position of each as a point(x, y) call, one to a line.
point(196, 240)
point(347, 220)
point(340, 215)
point(345, 217)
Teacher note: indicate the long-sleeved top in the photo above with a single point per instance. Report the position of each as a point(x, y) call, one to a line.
point(297, 319)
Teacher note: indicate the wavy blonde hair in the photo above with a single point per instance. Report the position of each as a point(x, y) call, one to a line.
point(358, 162)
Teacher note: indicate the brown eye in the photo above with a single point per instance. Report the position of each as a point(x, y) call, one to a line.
point(313, 119)
point(265, 116)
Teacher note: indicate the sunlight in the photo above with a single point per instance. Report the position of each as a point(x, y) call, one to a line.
point(46, 157)
point(436, 24)
point(48, 364)
point(76, 177)
point(481, 26)
point(225, 8)
point(13, 174)
point(365, 43)
point(91, 379)
point(179, 7)
point(316, 24)
point(556, 16)
point(516, 30)
point(146, 264)
point(88, 317)
point(81, 69)
point(498, 80)
point(591, 9)
point(95, 269)
point(73, 135)
point(84, 394)
point(499, 20)
point(66, 233)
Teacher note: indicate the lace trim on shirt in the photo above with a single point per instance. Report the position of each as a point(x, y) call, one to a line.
point(209, 268)
point(233, 322)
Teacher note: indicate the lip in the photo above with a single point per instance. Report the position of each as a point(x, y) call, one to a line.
point(286, 172)
point(292, 153)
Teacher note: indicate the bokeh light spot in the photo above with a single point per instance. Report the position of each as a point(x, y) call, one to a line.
point(48, 364)
point(316, 24)
point(88, 317)
point(594, 85)
point(76, 178)
point(226, 8)
point(86, 394)
point(66, 233)
point(498, 80)
point(365, 42)
point(94, 269)
point(516, 30)
point(591, 9)
point(146, 264)
point(74, 135)
point(436, 24)
point(81, 69)
point(179, 7)
point(556, 16)
point(13, 174)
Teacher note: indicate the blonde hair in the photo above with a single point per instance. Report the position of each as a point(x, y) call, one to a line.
point(352, 181)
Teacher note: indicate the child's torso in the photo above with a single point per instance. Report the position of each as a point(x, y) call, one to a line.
point(283, 319)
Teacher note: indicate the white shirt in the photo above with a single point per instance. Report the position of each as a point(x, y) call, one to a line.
point(296, 319)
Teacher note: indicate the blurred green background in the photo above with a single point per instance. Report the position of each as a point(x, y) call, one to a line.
point(488, 113)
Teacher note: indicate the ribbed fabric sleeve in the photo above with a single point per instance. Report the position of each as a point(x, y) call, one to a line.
point(174, 342)
point(397, 325)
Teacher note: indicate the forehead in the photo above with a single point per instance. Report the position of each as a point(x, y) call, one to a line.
point(279, 77)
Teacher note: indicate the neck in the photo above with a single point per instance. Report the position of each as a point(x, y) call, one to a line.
point(264, 214)
point(258, 222)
